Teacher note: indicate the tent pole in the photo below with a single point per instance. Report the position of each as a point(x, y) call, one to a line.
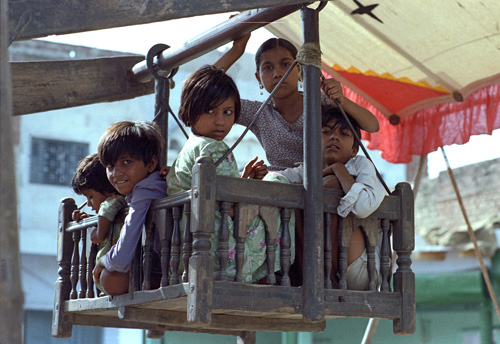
point(11, 299)
point(472, 235)
point(422, 163)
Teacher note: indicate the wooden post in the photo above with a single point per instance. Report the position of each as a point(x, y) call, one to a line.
point(201, 266)
point(61, 324)
point(314, 307)
point(11, 294)
point(404, 243)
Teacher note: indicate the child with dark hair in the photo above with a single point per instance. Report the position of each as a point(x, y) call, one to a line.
point(280, 126)
point(355, 175)
point(90, 180)
point(210, 105)
point(130, 153)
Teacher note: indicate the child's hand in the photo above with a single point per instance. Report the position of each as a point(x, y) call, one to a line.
point(254, 169)
point(240, 44)
point(333, 89)
point(79, 215)
point(164, 171)
point(260, 172)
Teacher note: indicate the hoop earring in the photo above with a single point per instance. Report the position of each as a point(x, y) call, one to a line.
point(261, 88)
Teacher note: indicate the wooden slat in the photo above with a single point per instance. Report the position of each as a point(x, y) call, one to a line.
point(50, 85)
point(257, 298)
point(362, 304)
point(258, 192)
point(139, 297)
point(65, 16)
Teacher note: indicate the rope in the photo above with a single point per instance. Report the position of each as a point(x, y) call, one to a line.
point(309, 55)
point(472, 235)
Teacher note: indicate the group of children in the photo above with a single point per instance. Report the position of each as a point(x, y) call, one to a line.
point(125, 171)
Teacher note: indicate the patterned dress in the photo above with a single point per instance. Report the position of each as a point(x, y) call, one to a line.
point(179, 180)
point(282, 141)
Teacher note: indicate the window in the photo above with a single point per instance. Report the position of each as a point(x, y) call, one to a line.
point(54, 162)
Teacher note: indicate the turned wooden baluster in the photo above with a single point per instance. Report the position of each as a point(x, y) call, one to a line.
point(187, 246)
point(370, 229)
point(90, 269)
point(83, 265)
point(385, 259)
point(75, 262)
point(176, 246)
point(223, 242)
point(328, 251)
point(164, 223)
point(243, 215)
point(285, 253)
point(269, 216)
point(344, 231)
point(148, 249)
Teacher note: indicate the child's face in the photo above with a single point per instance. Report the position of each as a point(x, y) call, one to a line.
point(274, 63)
point(217, 122)
point(94, 198)
point(128, 171)
point(337, 144)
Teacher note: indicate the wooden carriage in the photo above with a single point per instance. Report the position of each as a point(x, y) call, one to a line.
point(200, 299)
point(195, 300)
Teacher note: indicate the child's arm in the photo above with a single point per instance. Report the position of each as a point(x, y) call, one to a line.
point(120, 255)
point(99, 266)
point(98, 234)
point(340, 171)
point(232, 55)
point(254, 169)
point(363, 195)
point(366, 120)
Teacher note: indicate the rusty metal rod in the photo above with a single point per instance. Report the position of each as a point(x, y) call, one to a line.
point(219, 35)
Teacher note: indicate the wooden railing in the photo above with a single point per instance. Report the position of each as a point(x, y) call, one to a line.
point(185, 257)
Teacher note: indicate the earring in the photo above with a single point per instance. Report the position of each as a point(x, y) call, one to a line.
point(261, 87)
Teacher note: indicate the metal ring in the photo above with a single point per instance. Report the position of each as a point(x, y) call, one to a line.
point(155, 51)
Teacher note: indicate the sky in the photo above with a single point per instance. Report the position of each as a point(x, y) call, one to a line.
point(138, 39)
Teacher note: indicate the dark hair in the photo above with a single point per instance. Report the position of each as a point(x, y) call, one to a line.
point(141, 140)
point(91, 175)
point(271, 44)
point(330, 112)
point(204, 90)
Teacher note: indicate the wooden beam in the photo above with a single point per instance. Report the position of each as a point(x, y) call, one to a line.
point(65, 16)
point(114, 321)
point(222, 322)
point(11, 294)
point(50, 85)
